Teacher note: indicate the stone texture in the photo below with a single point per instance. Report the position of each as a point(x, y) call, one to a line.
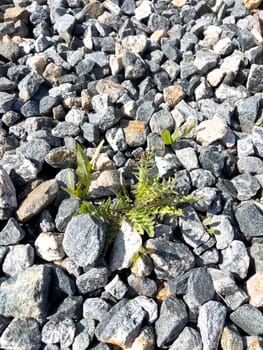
point(8, 201)
point(48, 246)
point(249, 319)
point(250, 219)
point(19, 258)
point(210, 131)
point(94, 279)
point(255, 289)
point(173, 94)
point(12, 233)
point(231, 340)
point(188, 339)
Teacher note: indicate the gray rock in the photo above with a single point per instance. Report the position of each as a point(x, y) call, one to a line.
point(116, 288)
point(257, 139)
point(76, 116)
point(224, 231)
point(116, 139)
point(150, 306)
point(50, 332)
point(235, 259)
point(67, 208)
point(253, 165)
point(233, 301)
point(95, 308)
point(8, 201)
point(84, 334)
point(6, 102)
point(71, 307)
point(21, 334)
point(122, 324)
point(92, 280)
point(46, 104)
point(10, 118)
point(46, 221)
point(202, 178)
point(84, 239)
point(19, 258)
point(25, 295)
point(10, 51)
point(173, 318)
point(90, 132)
point(30, 108)
point(64, 26)
point(64, 129)
point(253, 342)
point(155, 144)
point(188, 339)
point(223, 281)
point(250, 219)
point(231, 339)
point(249, 319)
point(170, 259)
point(187, 157)
point(245, 147)
point(61, 285)
point(105, 120)
point(134, 65)
point(61, 157)
point(142, 286)
point(179, 284)
point(20, 169)
point(210, 200)
point(192, 229)
point(29, 85)
point(246, 185)
point(209, 257)
point(161, 121)
point(205, 60)
point(145, 111)
point(256, 253)
point(248, 112)
point(67, 331)
point(254, 80)
point(211, 321)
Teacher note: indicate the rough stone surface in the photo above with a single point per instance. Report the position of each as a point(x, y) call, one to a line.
point(8, 201)
point(249, 319)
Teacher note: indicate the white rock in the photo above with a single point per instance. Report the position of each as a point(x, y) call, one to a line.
point(144, 10)
point(49, 246)
point(215, 77)
point(187, 157)
point(211, 130)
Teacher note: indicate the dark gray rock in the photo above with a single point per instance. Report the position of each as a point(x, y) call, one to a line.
point(173, 318)
point(254, 80)
point(249, 319)
point(6, 85)
point(19, 258)
point(170, 259)
point(26, 294)
point(71, 307)
point(94, 279)
point(6, 102)
point(46, 104)
point(256, 253)
point(179, 284)
point(161, 121)
point(95, 308)
point(105, 119)
point(84, 239)
point(192, 229)
point(248, 112)
point(246, 185)
point(235, 259)
point(145, 111)
point(134, 65)
point(84, 334)
point(257, 139)
point(8, 201)
point(21, 334)
point(211, 321)
point(250, 219)
point(122, 324)
point(29, 85)
point(64, 129)
point(188, 339)
point(117, 288)
point(30, 108)
point(142, 286)
point(90, 132)
point(66, 210)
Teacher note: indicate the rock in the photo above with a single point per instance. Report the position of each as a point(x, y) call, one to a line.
point(64, 26)
point(84, 334)
point(245, 147)
point(250, 219)
point(116, 138)
point(90, 132)
point(37, 200)
point(235, 258)
point(92, 280)
point(48, 246)
point(223, 281)
point(142, 286)
point(248, 112)
point(246, 185)
point(127, 242)
point(116, 288)
point(210, 131)
point(6, 102)
point(12, 233)
point(170, 259)
point(29, 85)
point(202, 178)
point(71, 307)
point(224, 231)
point(135, 132)
point(67, 208)
point(21, 334)
point(172, 320)
point(84, 239)
point(150, 306)
point(249, 319)
point(113, 90)
point(107, 183)
point(95, 308)
point(173, 94)
point(134, 65)
point(8, 201)
point(143, 266)
point(61, 157)
point(67, 331)
point(188, 339)
point(144, 10)
point(122, 324)
point(19, 258)
point(233, 301)
point(20, 169)
point(253, 342)
point(231, 340)
point(257, 139)
point(7, 85)
point(64, 129)
point(50, 332)
point(104, 120)
point(10, 51)
point(25, 295)
point(254, 80)
point(253, 165)
point(161, 120)
point(254, 289)
point(187, 157)
point(252, 4)
point(205, 60)
point(211, 321)
point(255, 252)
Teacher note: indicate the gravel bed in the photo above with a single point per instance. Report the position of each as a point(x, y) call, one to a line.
point(79, 71)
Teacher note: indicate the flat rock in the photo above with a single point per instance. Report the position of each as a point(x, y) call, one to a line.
point(250, 219)
point(25, 295)
point(8, 201)
point(172, 320)
point(37, 200)
point(210, 131)
point(249, 319)
point(19, 258)
point(48, 246)
point(84, 239)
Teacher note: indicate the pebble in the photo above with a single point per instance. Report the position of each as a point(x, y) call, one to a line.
point(248, 318)
point(254, 289)
point(18, 258)
point(250, 219)
point(38, 199)
point(8, 200)
point(93, 279)
point(210, 131)
point(95, 308)
point(48, 246)
point(188, 339)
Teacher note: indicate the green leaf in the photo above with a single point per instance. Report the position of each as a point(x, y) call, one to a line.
point(175, 135)
point(188, 128)
point(166, 137)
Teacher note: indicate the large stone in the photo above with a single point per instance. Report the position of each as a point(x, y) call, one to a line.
point(210, 131)
point(26, 294)
point(254, 80)
point(122, 324)
point(255, 289)
point(188, 339)
point(8, 201)
point(29, 85)
point(84, 239)
point(37, 200)
point(249, 319)
point(250, 219)
point(173, 318)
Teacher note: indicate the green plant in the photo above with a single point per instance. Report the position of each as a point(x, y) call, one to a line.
point(151, 196)
point(259, 122)
point(207, 222)
point(169, 139)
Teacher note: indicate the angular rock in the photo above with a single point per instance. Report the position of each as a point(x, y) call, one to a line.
point(233, 301)
point(187, 158)
point(21, 334)
point(95, 308)
point(48, 246)
point(19, 258)
point(84, 334)
point(8, 201)
point(248, 112)
point(210, 131)
point(67, 208)
point(211, 321)
point(205, 60)
point(61, 157)
point(64, 26)
point(249, 319)
point(255, 289)
point(172, 320)
point(250, 219)
point(6, 102)
point(188, 339)
point(135, 132)
point(223, 281)
point(29, 85)
point(84, 239)
point(71, 307)
point(116, 139)
point(253, 165)
point(113, 90)
point(37, 200)
point(224, 231)
point(25, 295)
point(142, 286)
point(94, 279)
point(161, 120)
point(254, 80)
point(122, 324)
point(116, 288)
point(173, 94)
point(150, 306)
point(231, 340)
point(246, 185)
point(257, 139)
point(256, 253)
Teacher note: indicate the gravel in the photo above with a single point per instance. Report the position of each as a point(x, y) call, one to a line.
point(123, 71)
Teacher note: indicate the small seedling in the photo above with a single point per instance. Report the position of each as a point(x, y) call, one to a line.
point(207, 222)
point(169, 139)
